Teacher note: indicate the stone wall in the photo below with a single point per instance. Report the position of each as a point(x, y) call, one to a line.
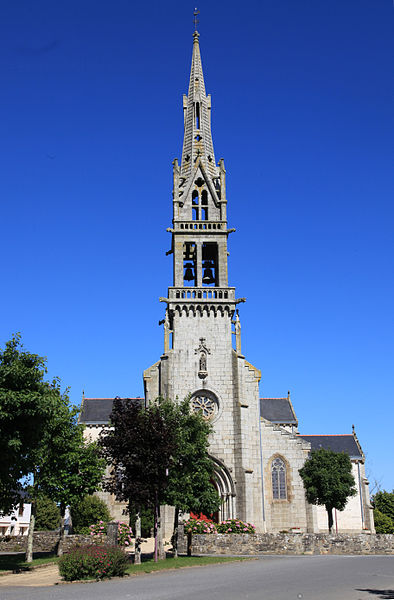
point(279, 543)
point(44, 541)
point(293, 511)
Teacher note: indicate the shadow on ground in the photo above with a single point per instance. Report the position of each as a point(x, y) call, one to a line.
point(16, 562)
point(384, 594)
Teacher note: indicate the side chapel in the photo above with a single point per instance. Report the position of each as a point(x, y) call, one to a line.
point(256, 446)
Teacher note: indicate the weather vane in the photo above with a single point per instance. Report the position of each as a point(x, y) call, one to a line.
point(196, 21)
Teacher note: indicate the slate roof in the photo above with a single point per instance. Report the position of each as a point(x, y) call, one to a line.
point(96, 411)
point(278, 410)
point(337, 443)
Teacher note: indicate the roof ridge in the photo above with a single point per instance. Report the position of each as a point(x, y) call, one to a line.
point(113, 398)
point(327, 434)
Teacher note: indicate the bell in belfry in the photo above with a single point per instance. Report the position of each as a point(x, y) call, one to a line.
point(189, 276)
point(208, 275)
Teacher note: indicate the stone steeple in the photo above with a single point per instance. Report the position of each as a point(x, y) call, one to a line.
point(199, 359)
point(197, 142)
point(199, 232)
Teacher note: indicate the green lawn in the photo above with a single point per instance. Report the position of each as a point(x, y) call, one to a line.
point(182, 561)
point(16, 562)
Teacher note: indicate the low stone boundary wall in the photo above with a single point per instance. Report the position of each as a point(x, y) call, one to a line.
point(294, 543)
point(43, 541)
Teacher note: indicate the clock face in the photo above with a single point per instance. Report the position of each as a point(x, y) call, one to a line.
point(205, 404)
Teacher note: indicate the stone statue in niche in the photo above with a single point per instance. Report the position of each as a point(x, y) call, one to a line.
point(203, 351)
point(237, 333)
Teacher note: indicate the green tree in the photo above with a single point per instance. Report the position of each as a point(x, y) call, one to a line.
point(384, 501)
point(190, 485)
point(88, 511)
point(383, 523)
point(47, 514)
point(40, 437)
point(328, 480)
point(159, 455)
point(27, 403)
point(68, 467)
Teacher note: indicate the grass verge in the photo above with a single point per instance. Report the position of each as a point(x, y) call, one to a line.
point(182, 561)
point(17, 564)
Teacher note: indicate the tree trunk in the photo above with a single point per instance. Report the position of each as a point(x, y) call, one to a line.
point(137, 553)
point(59, 549)
point(175, 534)
point(155, 527)
point(29, 549)
point(330, 518)
point(160, 541)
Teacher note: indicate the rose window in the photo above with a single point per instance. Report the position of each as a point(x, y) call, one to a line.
point(204, 404)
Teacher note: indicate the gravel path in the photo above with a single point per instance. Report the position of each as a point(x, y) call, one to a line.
point(44, 576)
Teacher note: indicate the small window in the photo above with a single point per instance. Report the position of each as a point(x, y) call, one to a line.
point(278, 471)
point(195, 209)
point(204, 206)
point(197, 115)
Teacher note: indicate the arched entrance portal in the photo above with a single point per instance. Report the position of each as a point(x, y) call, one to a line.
point(225, 487)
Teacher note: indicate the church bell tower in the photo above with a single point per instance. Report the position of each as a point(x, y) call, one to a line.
point(201, 316)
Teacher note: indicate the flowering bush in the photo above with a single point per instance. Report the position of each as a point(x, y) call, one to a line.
point(199, 526)
point(200, 517)
point(98, 530)
point(124, 534)
point(87, 562)
point(235, 526)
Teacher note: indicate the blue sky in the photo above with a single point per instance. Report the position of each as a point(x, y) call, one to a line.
point(302, 97)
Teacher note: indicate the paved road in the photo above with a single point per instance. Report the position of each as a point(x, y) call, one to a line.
point(267, 578)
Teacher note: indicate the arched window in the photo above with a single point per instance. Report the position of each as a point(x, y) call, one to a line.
point(204, 205)
point(195, 206)
point(278, 472)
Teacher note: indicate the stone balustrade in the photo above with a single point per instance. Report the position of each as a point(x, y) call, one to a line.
point(200, 225)
point(203, 293)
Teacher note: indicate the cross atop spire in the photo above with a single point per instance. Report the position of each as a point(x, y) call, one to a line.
point(197, 141)
point(196, 13)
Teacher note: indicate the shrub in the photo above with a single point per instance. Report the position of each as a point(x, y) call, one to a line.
point(384, 502)
point(199, 526)
point(124, 534)
point(200, 517)
point(47, 514)
point(383, 523)
point(98, 530)
point(235, 526)
point(90, 509)
point(93, 562)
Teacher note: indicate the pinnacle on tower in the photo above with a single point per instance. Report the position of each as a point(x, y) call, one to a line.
point(197, 141)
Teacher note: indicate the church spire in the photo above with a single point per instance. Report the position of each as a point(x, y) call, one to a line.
point(197, 141)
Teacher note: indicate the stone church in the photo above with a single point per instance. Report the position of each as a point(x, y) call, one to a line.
point(256, 447)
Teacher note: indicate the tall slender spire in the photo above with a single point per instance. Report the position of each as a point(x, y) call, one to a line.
point(197, 141)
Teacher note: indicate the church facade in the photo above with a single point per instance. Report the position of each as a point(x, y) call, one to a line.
point(255, 446)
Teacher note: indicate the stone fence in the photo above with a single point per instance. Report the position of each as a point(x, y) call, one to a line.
point(43, 541)
point(293, 543)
